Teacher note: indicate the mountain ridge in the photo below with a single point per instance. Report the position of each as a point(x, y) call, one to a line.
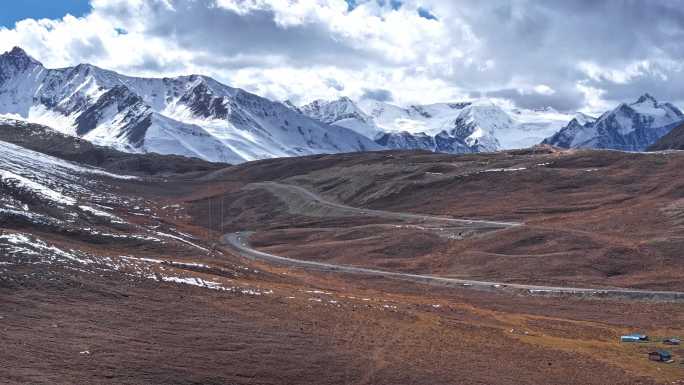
point(197, 116)
point(457, 127)
point(629, 127)
point(191, 115)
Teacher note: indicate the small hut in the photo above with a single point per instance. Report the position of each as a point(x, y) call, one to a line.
point(660, 356)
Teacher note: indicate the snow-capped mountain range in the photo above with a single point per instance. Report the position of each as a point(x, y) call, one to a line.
point(628, 127)
point(199, 117)
point(187, 115)
point(475, 126)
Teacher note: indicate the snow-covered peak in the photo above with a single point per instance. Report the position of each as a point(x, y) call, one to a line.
point(15, 62)
point(646, 111)
point(191, 115)
point(342, 112)
point(583, 118)
point(487, 115)
point(630, 127)
point(648, 105)
point(646, 98)
point(479, 123)
point(18, 58)
point(17, 51)
point(333, 111)
point(382, 111)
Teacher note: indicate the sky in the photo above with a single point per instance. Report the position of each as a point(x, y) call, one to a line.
point(39, 9)
point(580, 55)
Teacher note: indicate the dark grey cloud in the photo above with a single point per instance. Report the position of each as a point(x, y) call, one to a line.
point(505, 46)
point(530, 42)
point(542, 42)
point(380, 95)
point(201, 26)
point(664, 89)
point(570, 100)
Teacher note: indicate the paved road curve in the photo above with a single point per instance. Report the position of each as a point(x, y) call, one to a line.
point(239, 242)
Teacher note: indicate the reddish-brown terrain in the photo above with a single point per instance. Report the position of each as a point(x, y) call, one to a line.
point(101, 302)
point(590, 218)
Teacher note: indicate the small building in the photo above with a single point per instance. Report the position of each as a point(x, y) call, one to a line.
point(672, 341)
point(660, 356)
point(634, 337)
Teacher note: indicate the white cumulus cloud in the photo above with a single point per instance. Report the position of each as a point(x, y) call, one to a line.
point(570, 55)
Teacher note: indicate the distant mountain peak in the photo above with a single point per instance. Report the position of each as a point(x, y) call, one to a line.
point(646, 98)
point(333, 111)
point(288, 103)
point(466, 126)
point(628, 127)
point(18, 58)
point(583, 118)
point(17, 52)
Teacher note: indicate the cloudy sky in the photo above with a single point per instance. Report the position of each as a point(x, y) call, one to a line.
point(572, 55)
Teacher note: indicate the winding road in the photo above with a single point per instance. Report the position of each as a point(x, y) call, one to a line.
point(239, 243)
point(302, 201)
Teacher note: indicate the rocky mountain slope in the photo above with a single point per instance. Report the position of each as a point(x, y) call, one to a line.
point(188, 115)
point(628, 127)
point(44, 139)
point(673, 140)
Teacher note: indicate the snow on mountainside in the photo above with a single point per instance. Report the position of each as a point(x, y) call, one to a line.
point(60, 216)
point(430, 119)
point(478, 124)
point(342, 112)
point(188, 115)
point(463, 127)
point(34, 184)
point(48, 141)
point(628, 127)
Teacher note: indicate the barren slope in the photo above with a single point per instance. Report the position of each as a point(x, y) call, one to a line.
point(150, 297)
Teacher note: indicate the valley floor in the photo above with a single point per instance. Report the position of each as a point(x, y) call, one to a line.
point(311, 328)
point(168, 304)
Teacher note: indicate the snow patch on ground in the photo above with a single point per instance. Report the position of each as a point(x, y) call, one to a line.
point(194, 281)
point(18, 181)
point(23, 244)
point(182, 240)
point(505, 169)
point(102, 214)
point(42, 164)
